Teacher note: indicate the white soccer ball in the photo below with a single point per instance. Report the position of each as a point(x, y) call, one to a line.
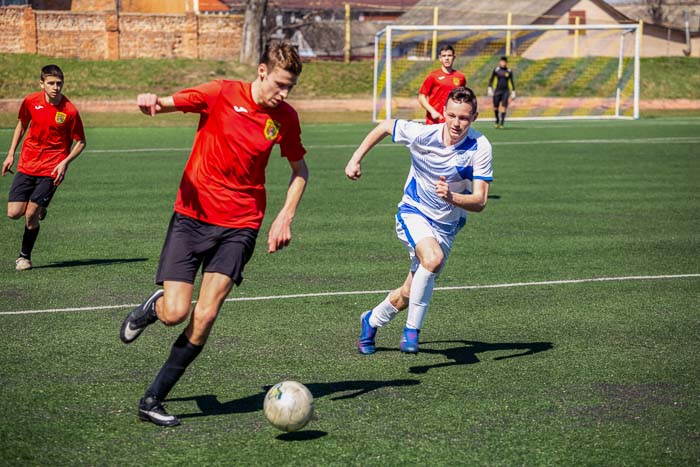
point(289, 406)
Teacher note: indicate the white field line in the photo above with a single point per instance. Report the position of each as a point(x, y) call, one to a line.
point(376, 292)
point(661, 140)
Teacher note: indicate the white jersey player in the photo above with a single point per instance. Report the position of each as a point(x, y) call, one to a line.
point(450, 175)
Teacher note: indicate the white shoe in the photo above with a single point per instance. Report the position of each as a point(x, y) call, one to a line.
point(22, 264)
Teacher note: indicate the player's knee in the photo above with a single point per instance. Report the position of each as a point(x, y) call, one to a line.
point(172, 312)
point(433, 260)
point(14, 213)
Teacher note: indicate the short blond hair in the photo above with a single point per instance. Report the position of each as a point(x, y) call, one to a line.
point(283, 55)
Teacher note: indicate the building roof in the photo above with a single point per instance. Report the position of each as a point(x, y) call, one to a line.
point(366, 5)
point(495, 11)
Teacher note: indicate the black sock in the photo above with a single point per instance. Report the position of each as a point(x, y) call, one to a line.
point(182, 354)
point(495, 113)
point(28, 241)
point(503, 118)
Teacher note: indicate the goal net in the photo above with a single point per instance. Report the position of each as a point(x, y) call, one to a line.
point(560, 71)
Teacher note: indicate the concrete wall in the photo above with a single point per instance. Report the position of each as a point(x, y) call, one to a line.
point(101, 35)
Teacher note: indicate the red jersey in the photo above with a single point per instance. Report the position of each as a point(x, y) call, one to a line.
point(224, 179)
point(437, 87)
point(52, 130)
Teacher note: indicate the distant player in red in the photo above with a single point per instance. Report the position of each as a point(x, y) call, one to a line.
point(220, 206)
point(54, 124)
point(437, 86)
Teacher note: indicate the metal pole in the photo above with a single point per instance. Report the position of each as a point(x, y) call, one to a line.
point(387, 86)
point(637, 52)
point(347, 33)
point(619, 75)
point(578, 22)
point(436, 13)
point(375, 95)
point(509, 22)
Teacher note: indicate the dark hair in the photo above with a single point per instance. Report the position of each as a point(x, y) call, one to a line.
point(51, 70)
point(463, 95)
point(282, 54)
point(447, 47)
point(504, 58)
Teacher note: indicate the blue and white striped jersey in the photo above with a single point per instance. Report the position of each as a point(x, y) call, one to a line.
point(460, 164)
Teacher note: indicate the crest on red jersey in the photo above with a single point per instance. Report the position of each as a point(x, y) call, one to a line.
point(455, 81)
point(60, 117)
point(272, 129)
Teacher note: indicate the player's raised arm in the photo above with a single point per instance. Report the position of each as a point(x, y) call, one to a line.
point(352, 169)
point(150, 104)
point(474, 202)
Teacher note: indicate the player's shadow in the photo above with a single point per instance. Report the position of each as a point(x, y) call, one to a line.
point(466, 353)
point(209, 404)
point(90, 262)
point(494, 196)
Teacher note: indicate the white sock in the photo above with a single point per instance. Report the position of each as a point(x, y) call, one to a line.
point(382, 313)
point(421, 292)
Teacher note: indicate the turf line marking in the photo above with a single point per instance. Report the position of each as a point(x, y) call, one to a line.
point(660, 140)
point(376, 292)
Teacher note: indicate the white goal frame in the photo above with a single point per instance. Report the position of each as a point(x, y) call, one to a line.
point(388, 32)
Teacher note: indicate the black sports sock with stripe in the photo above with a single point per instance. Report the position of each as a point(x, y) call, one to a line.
point(28, 241)
point(182, 354)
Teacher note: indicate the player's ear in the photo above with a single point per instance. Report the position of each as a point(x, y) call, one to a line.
point(262, 71)
point(475, 116)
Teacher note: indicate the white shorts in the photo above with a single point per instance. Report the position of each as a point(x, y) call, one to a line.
point(412, 228)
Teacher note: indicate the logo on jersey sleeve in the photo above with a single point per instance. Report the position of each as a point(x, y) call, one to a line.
point(60, 117)
point(272, 129)
point(455, 81)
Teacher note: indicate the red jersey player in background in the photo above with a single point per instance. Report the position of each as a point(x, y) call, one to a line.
point(220, 206)
point(54, 124)
point(438, 84)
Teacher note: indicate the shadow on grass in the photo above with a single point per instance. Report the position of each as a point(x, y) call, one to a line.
point(209, 403)
point(306, 435)
point(466, 353)
point(494, 196)
point(90, 262)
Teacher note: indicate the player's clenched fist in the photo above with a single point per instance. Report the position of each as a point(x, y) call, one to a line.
point(149, 104)
point(352, 170)
point(442, 189)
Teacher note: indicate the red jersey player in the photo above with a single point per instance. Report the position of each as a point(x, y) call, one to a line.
point(438, 84)
point(54, 124)
point(220, 206)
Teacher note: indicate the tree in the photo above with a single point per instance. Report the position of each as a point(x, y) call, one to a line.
point(656, 10)
point(252, 37)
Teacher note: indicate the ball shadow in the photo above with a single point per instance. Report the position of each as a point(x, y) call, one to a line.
point(306, 435)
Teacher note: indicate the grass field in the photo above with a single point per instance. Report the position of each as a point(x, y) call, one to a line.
point(590, 373)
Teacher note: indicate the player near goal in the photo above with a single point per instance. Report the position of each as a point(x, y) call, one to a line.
point(450, 175)
point(55, 137)
point(220, 206)
point(501, 87)
point(438, 84)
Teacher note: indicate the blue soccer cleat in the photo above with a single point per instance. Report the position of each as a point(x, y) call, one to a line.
point(365, 344)
point(409, 340)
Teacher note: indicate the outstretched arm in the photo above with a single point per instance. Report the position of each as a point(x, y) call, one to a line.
point(150, 104)
point(20, 129)
point(281, 230)
point(475, 202)
point(353, 168)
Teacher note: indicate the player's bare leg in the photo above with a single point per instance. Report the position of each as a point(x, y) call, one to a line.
point(382, 314)
point(31, 212)
point(214, 290)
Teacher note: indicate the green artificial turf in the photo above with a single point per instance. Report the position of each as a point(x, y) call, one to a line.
point(596, 373)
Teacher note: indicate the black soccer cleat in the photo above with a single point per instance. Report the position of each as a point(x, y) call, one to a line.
point(140, 317)
point(152, 410)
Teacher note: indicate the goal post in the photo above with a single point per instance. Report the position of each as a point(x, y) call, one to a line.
point(560, 71)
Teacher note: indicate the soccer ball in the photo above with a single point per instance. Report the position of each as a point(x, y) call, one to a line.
point(289, 406)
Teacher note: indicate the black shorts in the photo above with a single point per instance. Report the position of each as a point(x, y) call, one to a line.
point(191, 243)
point(38, 190)
point(501, 98)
